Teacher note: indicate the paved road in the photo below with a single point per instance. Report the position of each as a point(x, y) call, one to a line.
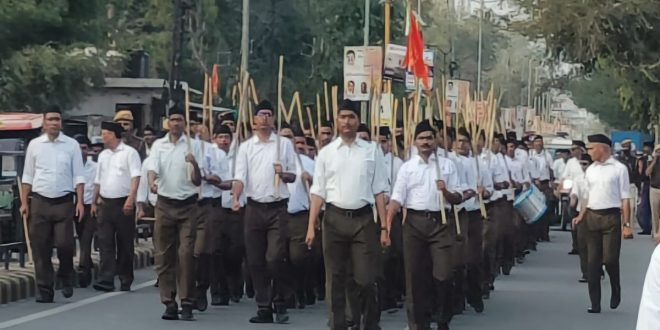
point(541, 294)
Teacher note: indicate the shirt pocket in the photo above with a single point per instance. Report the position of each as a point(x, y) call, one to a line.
point(367, 169)
point(62, 161)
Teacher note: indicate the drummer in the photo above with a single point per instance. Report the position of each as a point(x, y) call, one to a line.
point(520, 182)
point(578, 195)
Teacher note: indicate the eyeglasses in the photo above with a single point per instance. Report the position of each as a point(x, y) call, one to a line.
point(589, 148)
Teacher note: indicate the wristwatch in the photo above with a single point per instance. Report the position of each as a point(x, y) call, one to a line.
point(627, 225)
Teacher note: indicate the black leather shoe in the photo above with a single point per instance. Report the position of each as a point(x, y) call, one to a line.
point(125, 287)
point(443, 326)
point(171, 312)
point(44, 300)
point(583, 280)
point(616, 299)
point(67, 291)
point(506, 270)
point(478, 306)
point(573, 252)
point(187, 313)
point(281, 317)
point(263, 316)
point(202, 302)
point(104, 287)
point(593, 310)
point(235, 299)
point(219, 301)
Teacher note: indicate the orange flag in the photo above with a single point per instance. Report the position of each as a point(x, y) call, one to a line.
point(215, 80)
point(414, 60)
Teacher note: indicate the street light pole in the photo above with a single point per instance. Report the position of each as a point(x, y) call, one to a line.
point(481, 18)
point(367, 14)
point(245, 35)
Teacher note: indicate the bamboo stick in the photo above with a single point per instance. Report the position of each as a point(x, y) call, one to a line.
point(311, 122)
point(26, 228)
point(327, 102)
point(318, 114)
point(335, 108)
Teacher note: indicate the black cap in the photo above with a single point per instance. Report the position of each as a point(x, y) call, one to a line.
point(512, 141)
point(195, 117)
point(53, 109)
point(648, 144)
point(363, 128)
point(579, 143)
point(350, 106)
point(148, 128)
point(264, 105)
point(112, 127)
point(424, 126)
point(222, 129)
point(82, 139)
point(522, 143)
point(500, 138)
point(586, 158)
point(310, 142)
point(537, 138)
point(599, 138)
point(384, 131)
point(438, 124)
point(298, 132)
point(511, 135)
point(177, 110)
point(227, 116)
point(326, 123)
point(463, 131)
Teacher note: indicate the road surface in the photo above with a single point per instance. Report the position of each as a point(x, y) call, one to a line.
point(541, 294)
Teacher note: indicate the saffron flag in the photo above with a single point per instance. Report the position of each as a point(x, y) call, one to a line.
point(414, 60)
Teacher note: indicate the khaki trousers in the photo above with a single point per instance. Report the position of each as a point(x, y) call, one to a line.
point(603, 247)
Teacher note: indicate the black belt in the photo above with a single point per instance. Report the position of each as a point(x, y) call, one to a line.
point(298, 213)
point(120, 199)
point(544, 181)
point(271, 205)
point(204, 201)
point(68, 198)
point(190, 200)
point(610, 211)
point(426, 214)
point(349, 213)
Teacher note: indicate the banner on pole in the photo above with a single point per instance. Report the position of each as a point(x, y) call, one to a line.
point(385, 117)
point(393, 67)
point(362, 66)
point(456, 93)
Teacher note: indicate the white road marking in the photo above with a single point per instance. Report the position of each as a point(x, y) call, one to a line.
point(68, 307)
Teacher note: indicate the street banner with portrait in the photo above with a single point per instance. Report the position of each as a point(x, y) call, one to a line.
point(362, 66)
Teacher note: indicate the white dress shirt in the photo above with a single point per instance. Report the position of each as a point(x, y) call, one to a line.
point(497, 171)
point(542, 161)
point(573, 169)
point(214, 159)
point(53, 168)
point(580, 191)
point(469, 180)
point(89, 173)
point(116, 169)
point(518, 170)
point(173, 171)
point(227, 194)
point(299, 200)
point(144, 194)
point(529, 163)
point(558, 168)
point(416, 188)
point(349, 176)
point(254, 167)
point(388, 167)
point(608, 184)
point(648, 317)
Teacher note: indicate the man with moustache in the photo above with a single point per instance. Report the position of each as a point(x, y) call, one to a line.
point(426, 239)
point(148, 136)
point(264, 166)
point(53, 170)
point(512, 240)
point(326, 133)
point(125, 119)
point(86, 228)
point(349, 176)
point(115, 189)
point(175, 177)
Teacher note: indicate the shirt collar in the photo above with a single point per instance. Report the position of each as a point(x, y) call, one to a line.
point(44, 138)
point(271, 138)
point(358, 143)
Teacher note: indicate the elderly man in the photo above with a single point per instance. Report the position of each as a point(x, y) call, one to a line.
point(607, 205)
point(125, 119)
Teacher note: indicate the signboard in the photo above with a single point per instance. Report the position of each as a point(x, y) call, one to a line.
point(456, 92)
point(529, 119)
point(362, 65)
point(394, 70)
point(385, 116)
point(520, 120)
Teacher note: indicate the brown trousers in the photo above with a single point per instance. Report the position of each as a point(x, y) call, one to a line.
point(506, 233)
point(302, 258)
point(427, 248)
point(116, 240)
point(603, 247)
point(266, 235)
point(204, 244)
point(351, 236)
point(226, 261)
point(475, 258)
point(490, 239)
point(174, 235)
point(581, 231)
point(85, 230)
point(51, 226)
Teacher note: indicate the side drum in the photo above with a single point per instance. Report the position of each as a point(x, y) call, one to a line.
point(531, 205)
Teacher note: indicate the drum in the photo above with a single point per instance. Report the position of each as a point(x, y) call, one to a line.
point(531, 205)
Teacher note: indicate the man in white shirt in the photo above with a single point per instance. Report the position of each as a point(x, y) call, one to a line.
point(53, 170)
point(423, 180)
point(349, 176)
point(175, 177)
point(578, 196)
point(297, 217)
point(542, 159)
point(573, 171)
point(519, 174)
point(607, 206)
point(115, 189)
point(648, 317)
point(86, 228)
point(264, 166)
point(227, 273)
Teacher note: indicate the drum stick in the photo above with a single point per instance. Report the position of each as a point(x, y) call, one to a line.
point(26, 230)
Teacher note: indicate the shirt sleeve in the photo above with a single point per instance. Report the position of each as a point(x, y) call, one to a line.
point(486, 178)
point(240, 171)
point(30, 160)
point(99, 166)
point(624, 183)
point(399, 192)
point(453, 183)
point(154, 164)
point(379, 184)
point(289, 157)
point(319, 184)
point(143, 186)
point(134, 163)
point(78, 166)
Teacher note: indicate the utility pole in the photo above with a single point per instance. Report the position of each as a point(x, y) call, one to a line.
point(481, 18)
point(174, 91)
point(367, 14)
point(245, 35)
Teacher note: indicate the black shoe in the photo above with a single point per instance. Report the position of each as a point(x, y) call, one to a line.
point(491, 286)
point(84, 279)
point(45, 300)
point(219, 301)
point(171, 312)
point(573, 252)
point(616, 299)
point(67, 291)
point(443, 326)
point(249, 291)
point(235, 299)
point(486, 295)
point(310, 298)
point(583, 280)
point(593, 310)
point(104, 287)
point(187, 313)
point(281, 317)
point(202, 302)
point(506, 270)
point(478, 306)
point(644, 233)
point(125, 288)
point(263, 316)
point(300, 304)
